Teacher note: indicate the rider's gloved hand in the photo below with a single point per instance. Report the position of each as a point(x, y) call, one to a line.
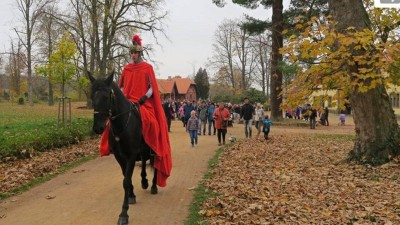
point(142, 99)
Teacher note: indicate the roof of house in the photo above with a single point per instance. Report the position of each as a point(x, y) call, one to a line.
point(183, 84)
point(165, 86)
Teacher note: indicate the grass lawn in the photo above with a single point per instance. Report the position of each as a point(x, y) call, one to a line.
point(24, 128)
point(12, 113)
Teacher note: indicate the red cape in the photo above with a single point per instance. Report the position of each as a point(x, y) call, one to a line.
point(154, 125)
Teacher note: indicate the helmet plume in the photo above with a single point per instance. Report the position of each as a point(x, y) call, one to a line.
point(136, 40)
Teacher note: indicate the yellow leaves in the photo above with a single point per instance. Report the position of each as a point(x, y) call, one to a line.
point(299, 17)
point(356, 59)
point(293, 58)
point(326, 213)
point(382, 18)
point(292, 38)
point(298, 26)
point(361, 88)
point(304, 55)
point(329, 40)
point(351, 28)
point(364, 70)
point(210, 212)
point(347, 41)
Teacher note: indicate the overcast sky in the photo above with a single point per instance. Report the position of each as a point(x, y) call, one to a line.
point(190, 27)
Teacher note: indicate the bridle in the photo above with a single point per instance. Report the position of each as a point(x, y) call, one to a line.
point(132, 106)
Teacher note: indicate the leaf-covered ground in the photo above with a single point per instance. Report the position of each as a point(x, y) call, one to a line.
point(300, 179)
point(16, 172)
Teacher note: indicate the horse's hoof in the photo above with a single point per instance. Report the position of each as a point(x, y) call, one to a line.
point(132, 200)
point(145, 184)
point(123, 220)
point(154, 190)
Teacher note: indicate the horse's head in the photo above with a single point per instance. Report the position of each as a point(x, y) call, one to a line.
point(101, 94)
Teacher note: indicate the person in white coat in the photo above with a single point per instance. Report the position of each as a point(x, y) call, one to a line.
point(259, 117)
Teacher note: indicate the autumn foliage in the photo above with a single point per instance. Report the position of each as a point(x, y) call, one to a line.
point(300, 179)
point(326, 58)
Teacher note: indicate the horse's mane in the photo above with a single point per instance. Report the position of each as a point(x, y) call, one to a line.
point(120, 94)
point(117, 90)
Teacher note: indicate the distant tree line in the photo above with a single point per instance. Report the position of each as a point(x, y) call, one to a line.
point(100, 30)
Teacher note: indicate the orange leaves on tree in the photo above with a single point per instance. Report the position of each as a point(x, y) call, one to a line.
point(320, 51)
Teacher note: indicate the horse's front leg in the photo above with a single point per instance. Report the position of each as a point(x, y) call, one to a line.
point(128, 190)
point(143, 174)
point(123, 164)
point(154, 189)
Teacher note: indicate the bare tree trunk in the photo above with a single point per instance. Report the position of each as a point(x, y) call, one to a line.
point(49, 52)
point(223, 48)
point(268, 77)
point(30, 79)
point(28, 45)
point(232, 73)
point(263, 73)
point(15, 66)
point(82, 36)
point(94, 41)
point(31, 11)
point(229, 52)
point(377, 131)
point(276, 74)
point(243, 61)
point(106, 36)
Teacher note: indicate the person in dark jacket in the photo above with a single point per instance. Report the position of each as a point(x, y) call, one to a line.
point(169, 111)
point(246, 114)
point(326, 113)
point(203, 114)
point(313, 117)
point(188, 108)
point(211, 122)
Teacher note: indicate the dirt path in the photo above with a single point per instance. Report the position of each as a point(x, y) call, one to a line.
point(91, 194)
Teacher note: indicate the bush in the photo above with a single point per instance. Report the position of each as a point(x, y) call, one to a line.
point(21, 140)
point(21, 101)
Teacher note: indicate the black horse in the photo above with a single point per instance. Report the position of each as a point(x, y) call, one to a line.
point(125, 135)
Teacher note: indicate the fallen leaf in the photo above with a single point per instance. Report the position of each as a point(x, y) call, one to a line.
point(78, 171)
point(192, 188)
point(50, 197)
point(299, 179)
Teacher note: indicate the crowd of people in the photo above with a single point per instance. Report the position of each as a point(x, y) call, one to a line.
point(311, 113)
point(209, 118)
point(215, 118)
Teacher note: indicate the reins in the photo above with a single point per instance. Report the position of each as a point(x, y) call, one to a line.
point(132, 106)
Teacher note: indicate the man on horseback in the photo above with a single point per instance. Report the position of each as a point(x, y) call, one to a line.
point(138, 84)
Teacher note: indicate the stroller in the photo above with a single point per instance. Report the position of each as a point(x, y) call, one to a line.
point(342, 119)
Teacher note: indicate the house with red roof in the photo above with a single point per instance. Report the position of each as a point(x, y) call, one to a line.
point(167, 89)
point(177, 88)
